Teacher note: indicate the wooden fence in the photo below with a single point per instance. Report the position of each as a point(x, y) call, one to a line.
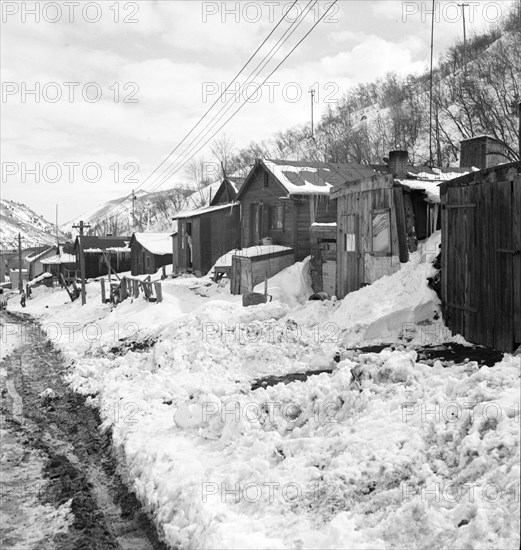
point(130, 287)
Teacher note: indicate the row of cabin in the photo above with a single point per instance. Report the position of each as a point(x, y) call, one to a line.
point(361, 222)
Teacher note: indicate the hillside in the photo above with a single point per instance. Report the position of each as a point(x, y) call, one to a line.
point(17, 218)
point(152, 211)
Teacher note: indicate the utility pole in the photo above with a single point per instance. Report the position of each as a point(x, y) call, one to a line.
point(519, 127)
point(312, 92)
point(57, 236)
point(20, 283)
point(463, 6)
point(133, 211)
point(82, 227)
point(430, 93)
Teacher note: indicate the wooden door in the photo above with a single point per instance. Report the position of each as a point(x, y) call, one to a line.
point(459, 243)
point(348, 265)
point(507, 332)
point(256, 223)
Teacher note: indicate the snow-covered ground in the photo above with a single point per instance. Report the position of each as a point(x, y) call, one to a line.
point(385, 452)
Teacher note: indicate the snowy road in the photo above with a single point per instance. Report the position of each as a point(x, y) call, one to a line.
point(59, 485)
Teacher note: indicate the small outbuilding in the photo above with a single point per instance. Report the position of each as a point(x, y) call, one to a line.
point(205, 234)
point(382, 218)
point(481, 256)
point(99, 252)
point(149, 252)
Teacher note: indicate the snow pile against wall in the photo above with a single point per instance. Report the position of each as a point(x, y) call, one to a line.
point(291, 286)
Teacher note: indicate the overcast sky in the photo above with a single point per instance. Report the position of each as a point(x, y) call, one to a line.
point(118, 85)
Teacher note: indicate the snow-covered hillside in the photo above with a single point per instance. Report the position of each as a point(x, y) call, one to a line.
point(17, 218)
point(152, 211)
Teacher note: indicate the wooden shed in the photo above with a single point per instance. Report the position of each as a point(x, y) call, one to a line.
point(149, 252)
point(481, 256)
point(382, 218)
point(99, 251)
point(205, 234)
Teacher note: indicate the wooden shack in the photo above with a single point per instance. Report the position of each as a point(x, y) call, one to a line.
point(62, 263)
point(205, 234)
point(281, 199)
point(481, 256)
point(382, 218)
point(149, 252)
point(100, 251)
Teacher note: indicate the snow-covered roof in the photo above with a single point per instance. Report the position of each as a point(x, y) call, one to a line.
point(205, 210)
point(60, 259)
point(310, 178)
point(226, 259)
point(33, 257)
point(157, 243)
point(428, 180)
point(320, 224)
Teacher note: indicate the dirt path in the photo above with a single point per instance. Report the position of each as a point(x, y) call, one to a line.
point(59, 485)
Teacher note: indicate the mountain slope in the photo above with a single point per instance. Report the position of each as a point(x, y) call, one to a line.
point(17, 218)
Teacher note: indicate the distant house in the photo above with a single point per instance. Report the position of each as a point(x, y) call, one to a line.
point(381, 218)
point(98, 251)
point(481, 256)
point(280, 200)
point(35, 260)
point(149, 252)
point(483, 152)
point(205, 234)
point(63, 262)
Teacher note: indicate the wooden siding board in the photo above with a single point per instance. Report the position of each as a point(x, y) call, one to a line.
point(516, 228)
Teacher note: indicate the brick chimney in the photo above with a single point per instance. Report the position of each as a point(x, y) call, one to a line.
point(398, 161)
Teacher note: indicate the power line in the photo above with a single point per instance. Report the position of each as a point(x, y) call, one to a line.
point(214, 103)
point(249, 97)
point(226, 108)
point(228, 104)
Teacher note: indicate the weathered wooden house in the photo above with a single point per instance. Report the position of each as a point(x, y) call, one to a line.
point(481, 256)
point(149, 252)
point(280, 200)
point(205, 234)
point(381, 218)
point(36, 258)
point(63, 262)
point(99, 252)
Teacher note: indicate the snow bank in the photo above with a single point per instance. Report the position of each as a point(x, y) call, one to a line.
point(291, 286)
point(385, 452)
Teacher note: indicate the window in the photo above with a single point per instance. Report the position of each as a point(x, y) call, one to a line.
point(148, 261)
point(265, 180)
point(277, 217)
point(382, 231)
point(349, 242)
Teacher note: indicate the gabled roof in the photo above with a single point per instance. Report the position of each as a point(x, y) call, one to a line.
point(37, 255)
point(92, 243)
point(205, 210)
point(310, 177)
point(228, 190)
point(156, 243)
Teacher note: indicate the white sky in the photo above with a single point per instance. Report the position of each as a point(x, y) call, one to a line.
point(164, 56)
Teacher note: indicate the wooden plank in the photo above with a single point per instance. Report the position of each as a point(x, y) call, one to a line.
point(504, 268)
point(516, 243)
point(401, 228)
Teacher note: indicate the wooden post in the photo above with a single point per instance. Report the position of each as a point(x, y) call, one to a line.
point(159, 292)
point(82, 227)
point(103, 292)
point(20, 283)
point(135, 288)
point(124, 292)
point(164, 272)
